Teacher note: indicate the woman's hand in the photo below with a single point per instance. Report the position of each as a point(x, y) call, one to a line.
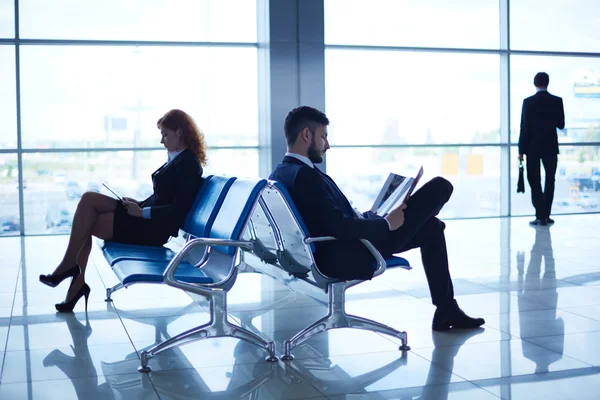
point(132, 208)
point(131, 200)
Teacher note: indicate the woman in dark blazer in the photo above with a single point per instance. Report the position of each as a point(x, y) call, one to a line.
point(148, 222)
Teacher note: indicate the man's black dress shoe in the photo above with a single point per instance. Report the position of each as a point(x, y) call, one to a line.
point(453, 317)
point(549, 221)
point(538, 222)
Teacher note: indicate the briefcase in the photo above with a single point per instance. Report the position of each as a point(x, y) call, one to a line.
point(521, 182)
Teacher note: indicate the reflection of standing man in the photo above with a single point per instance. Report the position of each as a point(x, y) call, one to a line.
point(542, 114)
point(531, 292)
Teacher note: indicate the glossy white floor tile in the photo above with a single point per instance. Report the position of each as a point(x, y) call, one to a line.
point(537, 288)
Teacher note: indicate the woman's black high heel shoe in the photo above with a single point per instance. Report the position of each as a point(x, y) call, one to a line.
point(68, 306)
point(54, 280)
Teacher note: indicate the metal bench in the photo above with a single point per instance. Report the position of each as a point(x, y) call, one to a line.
point(297, 269)
point(222, 249)
point(134, 264)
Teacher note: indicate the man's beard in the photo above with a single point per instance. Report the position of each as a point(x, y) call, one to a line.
point(313, 154)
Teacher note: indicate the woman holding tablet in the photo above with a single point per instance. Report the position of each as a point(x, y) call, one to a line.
point(148, 222)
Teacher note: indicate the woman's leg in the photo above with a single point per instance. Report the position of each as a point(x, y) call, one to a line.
point(90, 207)
point(102, 229)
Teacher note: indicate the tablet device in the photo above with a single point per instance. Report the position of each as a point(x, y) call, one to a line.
point(112, 191)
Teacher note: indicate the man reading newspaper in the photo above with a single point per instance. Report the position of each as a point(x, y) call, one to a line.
point(327, 212)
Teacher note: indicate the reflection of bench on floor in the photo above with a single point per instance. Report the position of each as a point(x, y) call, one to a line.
point(228, 217)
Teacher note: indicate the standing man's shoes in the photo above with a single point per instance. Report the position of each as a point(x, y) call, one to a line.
point(453, 317)
point(538, 222)
point(549, 221)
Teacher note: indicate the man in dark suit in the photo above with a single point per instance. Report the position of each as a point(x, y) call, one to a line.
point(327, 212)
point(542, 114)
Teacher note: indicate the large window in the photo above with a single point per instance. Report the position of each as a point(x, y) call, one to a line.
point(555, 25)
point(473, 171)
point(92, 79)
point(8, 108)
point(387, 97)
point(7, 18)
point(407, 83)
point(575, 79)
point(9, 195)
point(162, 20)
point(431, 83)
point(54, 182)
point(82, 96)
point(577, 186)
point(413, 23)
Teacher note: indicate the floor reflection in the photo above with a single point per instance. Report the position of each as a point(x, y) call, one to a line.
point(536, 344)
point(531, 283)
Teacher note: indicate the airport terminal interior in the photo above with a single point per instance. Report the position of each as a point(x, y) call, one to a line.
point(405, 84)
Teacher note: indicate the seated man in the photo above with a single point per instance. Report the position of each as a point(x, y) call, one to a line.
point(327, 212)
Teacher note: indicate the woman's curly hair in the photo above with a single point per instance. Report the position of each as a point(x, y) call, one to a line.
point(192, 136)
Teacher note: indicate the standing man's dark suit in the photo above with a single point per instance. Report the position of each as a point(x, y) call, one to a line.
point(542, 114)
point(327, 212)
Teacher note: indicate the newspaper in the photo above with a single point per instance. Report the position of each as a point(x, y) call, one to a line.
point(395, 191)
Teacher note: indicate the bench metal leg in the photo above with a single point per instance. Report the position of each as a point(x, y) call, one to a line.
point(337, 318)
point(110, 291)
point(218, 326)
point(370, 325)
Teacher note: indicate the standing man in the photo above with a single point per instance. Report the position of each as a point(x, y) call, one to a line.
point(542, 114)
point(327, 212)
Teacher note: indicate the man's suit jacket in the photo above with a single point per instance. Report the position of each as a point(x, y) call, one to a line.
point(175, 187)
point(327, 212)
point(542, 113)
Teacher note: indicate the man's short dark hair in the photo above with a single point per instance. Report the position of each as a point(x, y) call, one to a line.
point(541, 80)
point(300, 118)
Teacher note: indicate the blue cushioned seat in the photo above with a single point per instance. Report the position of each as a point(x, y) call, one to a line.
point(114, 252)
point(198, 223)
point(396, 261)
point(147, 264)
point(137, 271)
point(235, 211)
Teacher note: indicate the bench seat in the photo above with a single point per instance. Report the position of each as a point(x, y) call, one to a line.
point(140, 271)
point(114, 252)
point(396, 261)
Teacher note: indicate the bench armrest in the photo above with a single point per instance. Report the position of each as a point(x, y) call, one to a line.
point(381, 264)
point(169, 274)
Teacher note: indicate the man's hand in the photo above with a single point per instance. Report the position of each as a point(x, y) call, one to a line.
point(520, 157)
point(396, 217)
point(129, 199)
point(132, 208)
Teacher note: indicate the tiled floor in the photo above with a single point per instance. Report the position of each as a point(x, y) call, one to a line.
point(538, 289)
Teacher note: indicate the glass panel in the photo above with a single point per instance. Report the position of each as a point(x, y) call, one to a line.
point(555, 25)
point(56, 181)
point(415, 23)
point(233, 162)
point(9, 195)
point(576, 80)
point(185, 20)
point(8, 98)
point(407, 98)
point(96, 96)
point(474, 172)
point(7, 18)
point(577, 186)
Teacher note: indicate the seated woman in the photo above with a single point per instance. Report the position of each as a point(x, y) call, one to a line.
point(148, 222)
